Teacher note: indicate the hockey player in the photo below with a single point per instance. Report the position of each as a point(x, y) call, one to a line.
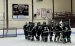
point(66, 32)
point(25, 31)
point(30, 26)
point(57, 32)
point(38, 30)
point(45, 31)
point(33, 31)
point(51, 26)
point(61, 33)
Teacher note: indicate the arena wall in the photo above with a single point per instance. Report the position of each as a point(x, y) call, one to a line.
point(60, 5)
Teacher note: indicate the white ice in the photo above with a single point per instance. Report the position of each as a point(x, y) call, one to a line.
point(20, 41)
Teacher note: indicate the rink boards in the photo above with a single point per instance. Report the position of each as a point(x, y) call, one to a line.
point(20, 31)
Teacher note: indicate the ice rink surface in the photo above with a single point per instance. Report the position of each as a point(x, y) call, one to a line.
point(21, 41)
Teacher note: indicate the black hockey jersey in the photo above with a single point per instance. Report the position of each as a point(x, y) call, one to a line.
point(30, 27)
point(38, 28)
point(45, 29)
point(58, 28)
point(66, 28)
point(25, 27)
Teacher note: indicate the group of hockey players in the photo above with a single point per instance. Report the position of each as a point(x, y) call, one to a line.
point(61, 31)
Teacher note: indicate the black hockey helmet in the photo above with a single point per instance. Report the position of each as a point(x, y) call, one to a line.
point(44, 23)
point(38, 23)
point(30, 22)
